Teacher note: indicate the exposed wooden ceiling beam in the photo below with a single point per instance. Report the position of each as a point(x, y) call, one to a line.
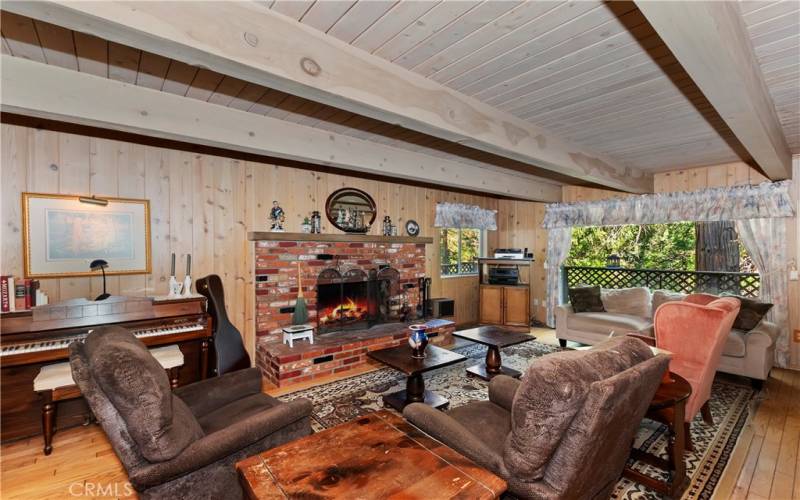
point(710, 40)
point(252, 43)
point(44, 91)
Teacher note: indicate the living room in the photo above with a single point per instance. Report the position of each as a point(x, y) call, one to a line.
point(364, 249)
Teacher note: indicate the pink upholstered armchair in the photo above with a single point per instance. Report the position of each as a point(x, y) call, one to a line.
point(695, 331)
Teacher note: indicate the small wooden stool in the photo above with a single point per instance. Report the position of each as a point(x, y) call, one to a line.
point(297, 332)
point(54, 383)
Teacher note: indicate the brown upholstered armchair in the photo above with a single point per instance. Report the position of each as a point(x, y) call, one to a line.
point(565, 430)
point(180, 444)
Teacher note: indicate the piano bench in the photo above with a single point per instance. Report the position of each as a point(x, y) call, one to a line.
point(54, 382)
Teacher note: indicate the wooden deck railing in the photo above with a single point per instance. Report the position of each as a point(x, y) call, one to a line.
point(742, 284)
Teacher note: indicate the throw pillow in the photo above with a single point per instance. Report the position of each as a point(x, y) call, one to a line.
point(586, 299)
point(633, 301)
point(663, 296)
point(750, 314)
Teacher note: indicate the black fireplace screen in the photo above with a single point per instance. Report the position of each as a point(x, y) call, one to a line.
point(357, 299)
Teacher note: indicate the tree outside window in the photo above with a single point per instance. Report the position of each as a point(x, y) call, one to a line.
point(459, 250)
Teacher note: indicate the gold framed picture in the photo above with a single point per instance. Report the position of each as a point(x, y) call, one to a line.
point(62, 234)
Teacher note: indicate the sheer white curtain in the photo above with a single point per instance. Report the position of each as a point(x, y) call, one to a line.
point(765, 240)
point(559, 241)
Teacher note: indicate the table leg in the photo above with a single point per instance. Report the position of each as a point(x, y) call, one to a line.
point(415, 393)
point(677, 448)
point(492, 366)
point(493, 360)
point(415, 389)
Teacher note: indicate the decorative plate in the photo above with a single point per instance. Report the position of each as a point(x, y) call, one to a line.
point(412, 228)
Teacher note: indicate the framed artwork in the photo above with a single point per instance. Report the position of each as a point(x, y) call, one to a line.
point(62, 234)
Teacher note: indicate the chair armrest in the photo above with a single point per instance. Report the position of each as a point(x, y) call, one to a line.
point(767, 329)
point(502, 389)
point(214, 447)
point(207, 395)
point(565, 309)
point(447, 430)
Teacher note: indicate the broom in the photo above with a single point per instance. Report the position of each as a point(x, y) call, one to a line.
point(300, 315)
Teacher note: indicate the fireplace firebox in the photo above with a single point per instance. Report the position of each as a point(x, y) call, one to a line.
point(357, 299)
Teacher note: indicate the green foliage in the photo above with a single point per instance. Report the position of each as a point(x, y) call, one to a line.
point(656, 246)
point(470, 247)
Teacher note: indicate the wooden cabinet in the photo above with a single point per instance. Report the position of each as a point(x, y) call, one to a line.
point(516, 305)
point(505, 305)
point(491, 302)
point(505, 291)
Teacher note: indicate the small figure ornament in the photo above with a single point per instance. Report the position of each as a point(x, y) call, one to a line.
point(277, 216)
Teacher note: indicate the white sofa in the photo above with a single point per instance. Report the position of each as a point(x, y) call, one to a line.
point(749, 354)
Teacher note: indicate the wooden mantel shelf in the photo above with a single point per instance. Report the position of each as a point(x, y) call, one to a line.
point(347, 237)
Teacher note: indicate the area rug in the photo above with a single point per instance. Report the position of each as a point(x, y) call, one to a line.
point(343, 400)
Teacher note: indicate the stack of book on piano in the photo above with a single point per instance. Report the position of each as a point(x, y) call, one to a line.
point(20, 294)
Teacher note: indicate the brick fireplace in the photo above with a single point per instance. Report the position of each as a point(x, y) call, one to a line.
point(390, 268)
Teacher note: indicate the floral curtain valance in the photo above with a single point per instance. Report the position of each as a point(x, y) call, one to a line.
point(768, 199)
point(459, 215)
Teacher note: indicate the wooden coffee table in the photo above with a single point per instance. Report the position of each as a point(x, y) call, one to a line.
point(400, 359)
point(494, 338)
point(669, 407)
point(378, 455)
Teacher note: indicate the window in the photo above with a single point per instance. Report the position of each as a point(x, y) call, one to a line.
point(459, 250)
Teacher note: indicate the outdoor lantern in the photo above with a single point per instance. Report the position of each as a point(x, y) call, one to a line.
point(612, 261)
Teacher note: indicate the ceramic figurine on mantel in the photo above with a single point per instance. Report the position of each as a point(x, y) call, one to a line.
point(387, 226)
point(316, 222)
point(277, 216)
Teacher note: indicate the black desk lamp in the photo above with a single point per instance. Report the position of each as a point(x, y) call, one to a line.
point(102, 265)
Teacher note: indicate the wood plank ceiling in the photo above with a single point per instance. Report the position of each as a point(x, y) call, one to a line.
point(775, 31)
point(592, 72)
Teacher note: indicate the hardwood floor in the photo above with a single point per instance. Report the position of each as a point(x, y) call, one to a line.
point(764, 464)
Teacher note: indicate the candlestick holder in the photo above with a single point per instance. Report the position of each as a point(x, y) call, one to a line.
point(174, 287)
point(187, 286)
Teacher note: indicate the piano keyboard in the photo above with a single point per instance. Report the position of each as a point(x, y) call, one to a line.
point(64, 342)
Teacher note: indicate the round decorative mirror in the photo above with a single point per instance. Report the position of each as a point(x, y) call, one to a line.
point(351, 210)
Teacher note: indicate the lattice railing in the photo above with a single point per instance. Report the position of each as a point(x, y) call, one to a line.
point(742, 284)
point(464, 268)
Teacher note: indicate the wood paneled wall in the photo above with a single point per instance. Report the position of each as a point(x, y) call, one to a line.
point(204, 205)
point(729, 174)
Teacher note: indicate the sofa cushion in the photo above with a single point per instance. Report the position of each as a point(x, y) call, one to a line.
point(552, 392)
point(633, 301)
point(663, 296)
point(751, 312)
point(606, 323)
point(736, 345)
point(586, 299)
point(236, 411)
point(136, 384)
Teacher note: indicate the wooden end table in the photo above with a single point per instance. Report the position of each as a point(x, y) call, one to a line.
point(400, 359)
point(669, 407)
point(379, 455)
point(494, 338)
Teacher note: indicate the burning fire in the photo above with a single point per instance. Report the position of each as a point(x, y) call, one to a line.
point(348, 311)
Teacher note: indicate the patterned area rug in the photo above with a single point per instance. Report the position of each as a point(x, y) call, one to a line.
point(346, 399)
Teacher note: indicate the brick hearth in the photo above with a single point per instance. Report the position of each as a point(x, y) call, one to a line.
point(339, 352)
point(276, 291)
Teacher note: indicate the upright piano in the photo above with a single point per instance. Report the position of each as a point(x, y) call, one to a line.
point(32, 339)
